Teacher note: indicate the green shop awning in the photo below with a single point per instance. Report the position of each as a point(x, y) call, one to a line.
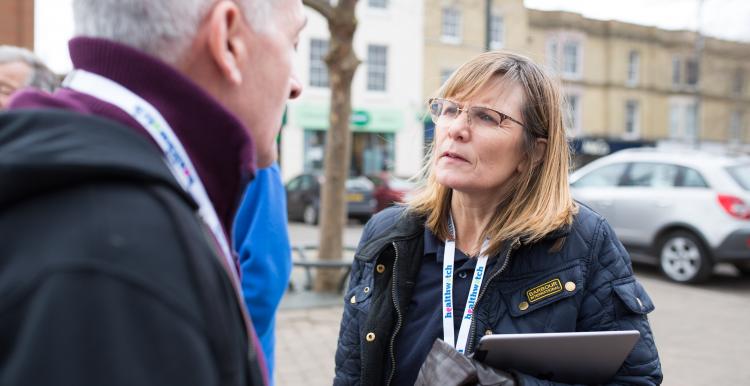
point(381, 120)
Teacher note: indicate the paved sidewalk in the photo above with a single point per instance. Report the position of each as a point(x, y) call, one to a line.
point(701, 331)
point(306, 345)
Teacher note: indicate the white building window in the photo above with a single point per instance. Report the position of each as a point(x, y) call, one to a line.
point(691, 121)
point(573, 114)
point(378, 3)
point(552, 57)
point(738, 82)
point(735, 127)
point(445, 74)
point(691, 72)
point(497, 32)
point(377, 67)
point(675, 121)
point(451, 25)
point(318, 68)
point(634, 62)
point(571, 65)
point(683, 119)
point(676, 71)
point(565, 54)
point(632, 120)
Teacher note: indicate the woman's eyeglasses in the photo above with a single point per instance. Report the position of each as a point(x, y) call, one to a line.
point(444, 112)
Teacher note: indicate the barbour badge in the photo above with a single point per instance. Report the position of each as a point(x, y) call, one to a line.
point(542, 291)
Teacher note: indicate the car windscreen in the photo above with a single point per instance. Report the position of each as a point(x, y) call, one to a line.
point(741, 174)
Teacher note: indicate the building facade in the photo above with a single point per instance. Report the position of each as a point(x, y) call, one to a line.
point(387, 108)
point(625, 84)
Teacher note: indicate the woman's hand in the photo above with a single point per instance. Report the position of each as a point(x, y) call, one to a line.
point(446, 367)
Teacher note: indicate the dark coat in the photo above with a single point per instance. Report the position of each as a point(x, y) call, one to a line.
point(107, 276)
point(606, 295)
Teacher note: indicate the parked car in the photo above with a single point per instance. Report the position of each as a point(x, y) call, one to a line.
point(303, 198)
point(686, 210)
point(390, 190)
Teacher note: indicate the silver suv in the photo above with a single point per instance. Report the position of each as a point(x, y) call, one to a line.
point(688, 208)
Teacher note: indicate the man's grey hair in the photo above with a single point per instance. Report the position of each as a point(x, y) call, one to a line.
point(162, 28)
point(41, 76)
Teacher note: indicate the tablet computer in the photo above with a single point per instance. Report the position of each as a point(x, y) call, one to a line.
point(571, 357)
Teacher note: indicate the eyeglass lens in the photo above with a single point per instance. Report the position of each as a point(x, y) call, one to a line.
point(444, 112)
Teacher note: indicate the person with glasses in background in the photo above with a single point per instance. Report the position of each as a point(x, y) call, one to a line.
point(20, 68)
point(492, 243)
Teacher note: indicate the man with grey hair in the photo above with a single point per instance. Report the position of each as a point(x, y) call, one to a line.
point(20, 68)
point(119, 191)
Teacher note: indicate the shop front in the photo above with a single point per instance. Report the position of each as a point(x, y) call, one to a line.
point(373, 137)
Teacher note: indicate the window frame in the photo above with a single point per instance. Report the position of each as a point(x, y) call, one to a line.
point(634, 63)
point(377, 4)
point(377, 69)
point(634, 120)
point(573, 116)
point(676, 71)
point(497, 31)
point(318, 69)
point(456, 25)
point(558, 58)
point(738, 82)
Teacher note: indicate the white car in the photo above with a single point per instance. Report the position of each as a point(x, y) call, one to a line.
point(689, 209)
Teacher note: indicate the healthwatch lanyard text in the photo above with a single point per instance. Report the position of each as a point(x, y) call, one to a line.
point(175, 155)
point(476, 285)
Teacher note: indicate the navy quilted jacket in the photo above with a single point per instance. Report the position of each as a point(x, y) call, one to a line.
point(606, 295)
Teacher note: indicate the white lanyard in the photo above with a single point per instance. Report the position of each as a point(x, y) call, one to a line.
point(175, 155)
point(476, 285)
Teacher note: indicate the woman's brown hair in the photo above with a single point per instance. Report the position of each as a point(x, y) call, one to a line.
point(539, 201)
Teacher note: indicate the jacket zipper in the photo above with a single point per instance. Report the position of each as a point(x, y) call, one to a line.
point(513, 246)
point(398, 317)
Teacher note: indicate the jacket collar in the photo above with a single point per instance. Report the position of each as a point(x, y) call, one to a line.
point(407, 227)
point(47, 150)
point(216, 141)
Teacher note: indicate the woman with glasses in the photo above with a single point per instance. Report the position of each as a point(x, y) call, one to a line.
point(492, 244)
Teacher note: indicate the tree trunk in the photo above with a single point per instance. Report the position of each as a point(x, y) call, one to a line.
point(342, 63)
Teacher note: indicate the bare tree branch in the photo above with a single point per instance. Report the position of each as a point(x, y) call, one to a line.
point(322, 6)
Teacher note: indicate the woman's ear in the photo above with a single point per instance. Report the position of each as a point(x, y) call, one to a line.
point(225, 39)
point(535, 157)
point(540, 149)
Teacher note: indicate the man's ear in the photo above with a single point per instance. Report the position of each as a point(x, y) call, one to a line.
point(225, 40)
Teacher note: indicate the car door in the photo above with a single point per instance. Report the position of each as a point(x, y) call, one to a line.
point(309, 191)
point(648, 199)
point(293, 198)
point(598, 188)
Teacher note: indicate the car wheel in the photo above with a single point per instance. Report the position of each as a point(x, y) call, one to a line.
point(683, 258)
point(310, 215)
point(743, 267)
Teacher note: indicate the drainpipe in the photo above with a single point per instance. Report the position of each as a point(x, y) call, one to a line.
point(488, 19)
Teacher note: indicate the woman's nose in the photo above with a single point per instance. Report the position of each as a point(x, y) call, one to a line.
point(460, 127)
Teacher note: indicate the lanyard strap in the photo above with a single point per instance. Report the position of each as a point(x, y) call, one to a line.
point(175, 155)
point(476, 284)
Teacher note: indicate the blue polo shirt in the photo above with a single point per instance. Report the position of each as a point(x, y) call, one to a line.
point(423, 321)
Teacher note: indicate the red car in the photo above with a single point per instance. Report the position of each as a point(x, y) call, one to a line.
point(390, 190)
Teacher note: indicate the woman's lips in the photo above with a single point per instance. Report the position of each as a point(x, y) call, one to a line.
point(453, 156)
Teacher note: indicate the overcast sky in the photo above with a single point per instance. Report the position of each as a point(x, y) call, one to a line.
point(729, 19)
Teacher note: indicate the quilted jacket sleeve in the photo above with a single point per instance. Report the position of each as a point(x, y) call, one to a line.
point(348, 363)
point(615, 300)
